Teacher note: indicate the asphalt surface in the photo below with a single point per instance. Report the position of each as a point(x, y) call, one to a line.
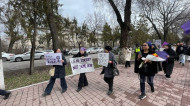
point(15, 66)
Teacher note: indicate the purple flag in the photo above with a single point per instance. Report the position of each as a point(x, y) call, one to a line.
point(162, 54)
point(186, 27)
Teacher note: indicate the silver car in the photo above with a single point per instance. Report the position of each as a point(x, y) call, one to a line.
point(26, 56)
point(92, 50)
point(73, 51)
point(6, 56)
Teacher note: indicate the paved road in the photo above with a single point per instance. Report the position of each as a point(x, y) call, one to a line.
point(13, 66)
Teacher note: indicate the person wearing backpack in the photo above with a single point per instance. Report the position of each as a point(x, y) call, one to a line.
point(148, 69)
point(108, 71)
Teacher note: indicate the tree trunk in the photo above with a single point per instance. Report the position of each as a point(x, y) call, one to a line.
point(33, 40)
point(10, 46)
point(51, 22)
point(123, 44)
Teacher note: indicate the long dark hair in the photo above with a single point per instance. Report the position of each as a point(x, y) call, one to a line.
point(55, 50)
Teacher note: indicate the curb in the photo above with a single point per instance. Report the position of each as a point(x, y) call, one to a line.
point(43, 82)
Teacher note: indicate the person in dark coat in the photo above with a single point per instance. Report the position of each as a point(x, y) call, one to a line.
point(169, 63)
point(151, 69)
point(181, 52)
point(108, 71)
point(59, 73)
point(5, 93)
point(82, 79)
point(177, 49)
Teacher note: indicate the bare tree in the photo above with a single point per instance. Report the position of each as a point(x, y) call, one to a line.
point(95, 23)
point(162, 14)
point(122, 8)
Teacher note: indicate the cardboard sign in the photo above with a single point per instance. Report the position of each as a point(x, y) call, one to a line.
point(81, 65)
point(103, 59)
point(53, 58)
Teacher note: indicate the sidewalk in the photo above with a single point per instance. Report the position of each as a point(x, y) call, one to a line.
point(173, 92)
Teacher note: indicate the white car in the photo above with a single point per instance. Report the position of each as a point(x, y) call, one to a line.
point(100, 50)
point(48, 51)
point(92, 50)
point(73, 51)
point(6, 56)
point(26, 56)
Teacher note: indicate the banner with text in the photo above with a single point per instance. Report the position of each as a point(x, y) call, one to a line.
point(53, 58)
point(81, 65)
point(103, 59)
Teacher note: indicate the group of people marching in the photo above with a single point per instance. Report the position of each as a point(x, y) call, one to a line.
point(60, 73)
point(146, 71)
point(150, 68)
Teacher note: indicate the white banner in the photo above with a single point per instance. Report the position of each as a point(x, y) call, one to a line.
point(53, 58)
point(103, 59)
point(81, 65)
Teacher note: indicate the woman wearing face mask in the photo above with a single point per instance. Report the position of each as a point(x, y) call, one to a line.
point(82, 79)
point(108, 71)
point(151, 69)
point(59, 73)
point(169, 63)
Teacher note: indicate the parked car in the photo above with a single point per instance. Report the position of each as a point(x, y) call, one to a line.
point(26, 56)
point(6, 56)
point(48, 51)
point(99, 49)
point(92, 50)
point(73, 51)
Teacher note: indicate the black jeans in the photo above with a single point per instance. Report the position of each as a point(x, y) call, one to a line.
point(51, 84)
point(3, 92)
point(149, 81)
point(127, 64)
point(109, 81)
point(82, 80)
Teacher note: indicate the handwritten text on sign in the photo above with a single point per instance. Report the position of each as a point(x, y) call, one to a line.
point(53, 58)
point(81, 65)
point(103, 59)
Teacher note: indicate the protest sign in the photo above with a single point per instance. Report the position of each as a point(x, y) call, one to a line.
point(103, 59)
point(53, 58)
point(81, 65)
point(158, 43)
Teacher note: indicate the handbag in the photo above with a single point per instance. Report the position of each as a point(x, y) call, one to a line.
point(115, 70)
point(52, 72)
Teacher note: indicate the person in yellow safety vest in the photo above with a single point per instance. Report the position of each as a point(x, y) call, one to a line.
point(137, 49)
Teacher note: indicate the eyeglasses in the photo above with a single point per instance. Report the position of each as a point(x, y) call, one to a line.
point(144, 45)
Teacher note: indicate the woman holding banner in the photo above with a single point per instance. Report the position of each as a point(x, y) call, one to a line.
point(108, 71)
point(59, 73)
point(82, 79)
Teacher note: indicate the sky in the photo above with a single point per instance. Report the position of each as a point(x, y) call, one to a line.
point(76, 8)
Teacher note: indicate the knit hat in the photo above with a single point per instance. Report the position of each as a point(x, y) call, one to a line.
point(108, 48)
point(82, 49)
point(165, 43)
point(149, 44)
